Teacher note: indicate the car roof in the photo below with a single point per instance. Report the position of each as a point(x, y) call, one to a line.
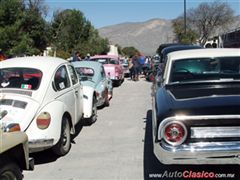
point(179, 48)
point(202, 53)
point(89, 64)
point(162, 46)
point(39, 62)
point(104, 56)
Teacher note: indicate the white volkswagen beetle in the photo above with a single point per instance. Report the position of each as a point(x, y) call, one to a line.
point(44, 96)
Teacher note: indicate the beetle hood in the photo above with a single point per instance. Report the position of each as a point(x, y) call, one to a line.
point(21, 110)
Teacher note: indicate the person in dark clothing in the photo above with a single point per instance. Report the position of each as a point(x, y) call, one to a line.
point(77, 56)
point(141, 60)
point(136, 66)
point(130, 67)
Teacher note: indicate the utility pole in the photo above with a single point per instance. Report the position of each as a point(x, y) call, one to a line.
point(185, 18)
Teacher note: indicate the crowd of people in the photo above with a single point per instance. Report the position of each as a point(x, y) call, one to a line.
point(136, 64)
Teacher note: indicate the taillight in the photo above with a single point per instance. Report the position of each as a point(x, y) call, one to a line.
point(12, 127)
point(43, 120)
point(174, 133)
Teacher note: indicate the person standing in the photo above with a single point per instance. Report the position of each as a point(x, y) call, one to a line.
point(130, 67)
point(77, 56)
point(87, 58)
point(141, 60)
point(136, 66)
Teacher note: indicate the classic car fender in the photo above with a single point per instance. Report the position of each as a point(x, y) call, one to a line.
point(9, 140)
point(88, 93)
point(15, 146)
point(45, 138)
point(161, 108)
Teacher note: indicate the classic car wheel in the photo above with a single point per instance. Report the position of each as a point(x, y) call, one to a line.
point(94, 112)
point(64, 144)
point(10, 171)
point(106, 103)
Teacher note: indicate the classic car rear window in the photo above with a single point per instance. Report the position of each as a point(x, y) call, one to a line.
point(201, 69)
point(84, 71)
point(106, 60)
point(20, 78)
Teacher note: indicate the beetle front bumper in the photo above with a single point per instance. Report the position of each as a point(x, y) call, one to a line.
point(198, 153)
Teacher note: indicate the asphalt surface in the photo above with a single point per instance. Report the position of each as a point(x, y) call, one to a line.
point(119, 146)
point(112, 148)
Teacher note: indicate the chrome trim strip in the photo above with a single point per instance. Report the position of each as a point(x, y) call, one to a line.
point(199, 153)
point(204, 146)
point(22, 92)
point(215, 132)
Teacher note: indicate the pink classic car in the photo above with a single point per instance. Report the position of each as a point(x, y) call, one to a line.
point(112, 67)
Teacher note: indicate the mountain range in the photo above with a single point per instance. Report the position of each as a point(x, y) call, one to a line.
point(145, 36)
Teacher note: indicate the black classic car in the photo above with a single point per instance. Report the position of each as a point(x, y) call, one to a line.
point(196, 108)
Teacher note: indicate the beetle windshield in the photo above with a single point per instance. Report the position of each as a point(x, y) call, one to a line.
point(205, 69)
point(20, 78)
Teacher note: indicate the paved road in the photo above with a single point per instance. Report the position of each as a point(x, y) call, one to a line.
point(118, 146)
point(112, 148)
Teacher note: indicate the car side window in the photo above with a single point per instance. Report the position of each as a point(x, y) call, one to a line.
point(61, 79)
point(73, 75)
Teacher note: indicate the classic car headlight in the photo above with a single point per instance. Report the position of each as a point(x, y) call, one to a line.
point(43, 120)
point(174, 133)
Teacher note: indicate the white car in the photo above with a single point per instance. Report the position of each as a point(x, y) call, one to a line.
point(44, 96)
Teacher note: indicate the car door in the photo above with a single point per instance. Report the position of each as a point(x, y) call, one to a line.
point(65, 90)
point(104, 81)
point(78, 93)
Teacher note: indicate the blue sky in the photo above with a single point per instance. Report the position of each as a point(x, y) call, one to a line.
point(110, 12)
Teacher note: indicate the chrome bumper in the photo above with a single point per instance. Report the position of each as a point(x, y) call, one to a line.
point(40, 144)
point(199, 153)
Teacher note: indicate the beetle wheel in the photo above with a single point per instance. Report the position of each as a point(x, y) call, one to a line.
point(64, 144)
point(106, 103)
point(10, 171)
point(93, 118)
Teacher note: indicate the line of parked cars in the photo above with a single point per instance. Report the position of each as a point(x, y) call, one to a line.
point(44, 98)
point(195, 107)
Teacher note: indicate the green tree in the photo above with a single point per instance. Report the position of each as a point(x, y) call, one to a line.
point(203, 21)
point(130, 51)
point(190, 37)
point(71, 31)
point(22, 30)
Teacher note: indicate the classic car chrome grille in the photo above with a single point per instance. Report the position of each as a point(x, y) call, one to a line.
point(215, 132)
